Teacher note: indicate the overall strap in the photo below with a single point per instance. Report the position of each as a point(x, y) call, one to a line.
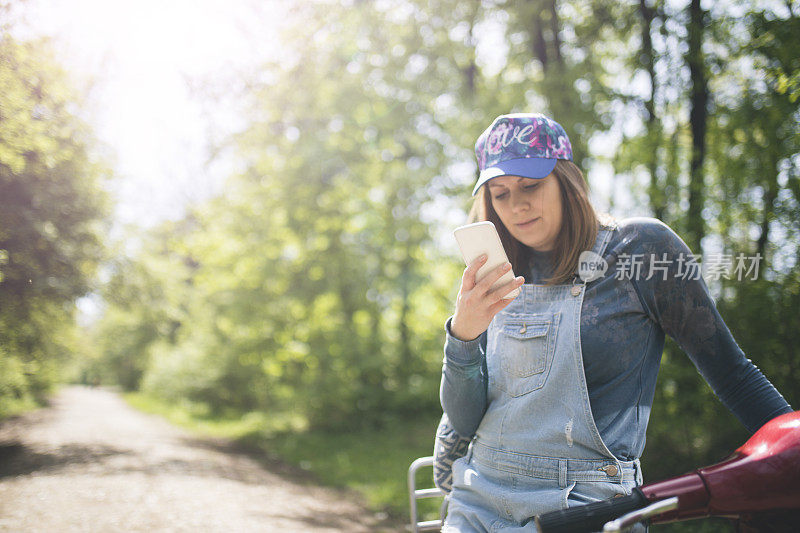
point(604, 233)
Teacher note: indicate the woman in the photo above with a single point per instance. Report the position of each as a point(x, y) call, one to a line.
point(554, 387)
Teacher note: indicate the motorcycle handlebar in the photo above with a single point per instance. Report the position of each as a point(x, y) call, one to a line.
point(592, 516)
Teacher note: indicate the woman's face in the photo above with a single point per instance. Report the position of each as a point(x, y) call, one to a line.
point(529, 208)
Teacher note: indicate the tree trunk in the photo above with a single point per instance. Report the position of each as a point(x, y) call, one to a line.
point(647, 58)
point(471, 70)
point(771, 188)
point(698, 116)
point(555, 27)
point(406, 355)
point(538, 42)
point(769, 198)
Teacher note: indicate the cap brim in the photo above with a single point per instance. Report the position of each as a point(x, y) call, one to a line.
point(526, 167)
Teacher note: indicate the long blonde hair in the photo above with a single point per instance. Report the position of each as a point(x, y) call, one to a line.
point(579, 225)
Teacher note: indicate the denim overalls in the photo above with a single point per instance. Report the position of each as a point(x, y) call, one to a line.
point(537, 448)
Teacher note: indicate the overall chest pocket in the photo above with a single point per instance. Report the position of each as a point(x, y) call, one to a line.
point(526, 345)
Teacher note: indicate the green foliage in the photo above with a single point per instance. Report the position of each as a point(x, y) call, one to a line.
point(751, 206)
point(315, 286)
point(770, 306)
point(144, 303)
point(375, 463)
point(313, 290)
point(51, 213)
point(301, 311)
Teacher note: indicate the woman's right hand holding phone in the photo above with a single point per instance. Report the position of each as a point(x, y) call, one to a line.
point(477, 303)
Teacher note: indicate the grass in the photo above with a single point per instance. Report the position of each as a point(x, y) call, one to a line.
point(11, 407)
point(374, 463)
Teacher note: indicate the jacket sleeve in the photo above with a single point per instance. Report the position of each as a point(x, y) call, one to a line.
point(675, 295)
point(463, 387)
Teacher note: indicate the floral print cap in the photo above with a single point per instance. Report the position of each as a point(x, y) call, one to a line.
point(520, 144)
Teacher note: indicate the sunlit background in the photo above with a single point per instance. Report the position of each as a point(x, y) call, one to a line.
point(156, 74)
point(239, 213)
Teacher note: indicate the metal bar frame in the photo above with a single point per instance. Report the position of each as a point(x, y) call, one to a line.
point(419, 494)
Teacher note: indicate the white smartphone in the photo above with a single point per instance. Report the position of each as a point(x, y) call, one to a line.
point(482, 238)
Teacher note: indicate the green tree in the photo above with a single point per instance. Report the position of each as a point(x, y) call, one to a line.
point(314, 285)
point(52, 211)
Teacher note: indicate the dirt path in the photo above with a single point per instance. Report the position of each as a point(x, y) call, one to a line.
point(89, 462)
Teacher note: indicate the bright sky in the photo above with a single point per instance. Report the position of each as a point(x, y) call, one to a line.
point(143, 58)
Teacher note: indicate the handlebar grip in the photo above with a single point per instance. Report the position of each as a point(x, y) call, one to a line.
point(592, 516)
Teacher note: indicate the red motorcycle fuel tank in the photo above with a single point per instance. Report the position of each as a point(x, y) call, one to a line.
point(761, 475)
